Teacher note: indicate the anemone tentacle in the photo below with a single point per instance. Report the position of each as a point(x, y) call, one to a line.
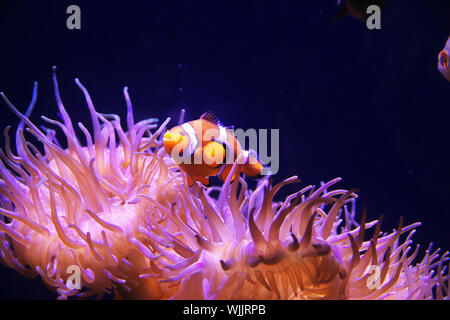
point(119, 210)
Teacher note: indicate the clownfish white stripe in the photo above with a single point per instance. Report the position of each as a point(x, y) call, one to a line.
point(193, 142)
point(246, 156)
point(223, 136)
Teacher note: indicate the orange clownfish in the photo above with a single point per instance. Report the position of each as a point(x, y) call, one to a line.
point(203, 148)
point(444, 60)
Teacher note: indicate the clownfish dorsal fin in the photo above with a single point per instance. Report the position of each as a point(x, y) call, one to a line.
point(211, 117)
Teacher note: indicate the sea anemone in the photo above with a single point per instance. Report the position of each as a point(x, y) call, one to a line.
point(119, 209)
point(84, 205)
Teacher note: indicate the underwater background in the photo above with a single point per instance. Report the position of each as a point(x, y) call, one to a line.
point(369, 106)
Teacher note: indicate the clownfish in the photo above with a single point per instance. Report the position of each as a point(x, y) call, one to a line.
point(204, 147)
point(444, 60)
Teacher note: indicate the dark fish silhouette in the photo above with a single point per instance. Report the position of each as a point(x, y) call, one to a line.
point(357, 9)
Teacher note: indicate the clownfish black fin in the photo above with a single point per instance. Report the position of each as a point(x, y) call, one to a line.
point(211, 117)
